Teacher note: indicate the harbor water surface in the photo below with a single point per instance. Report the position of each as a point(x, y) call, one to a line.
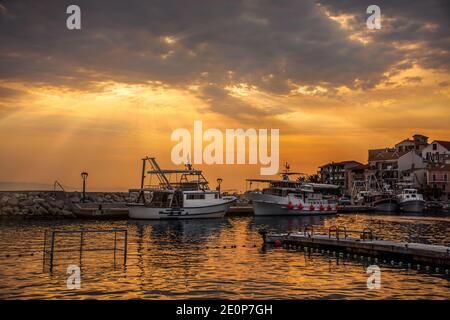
point(218, 258)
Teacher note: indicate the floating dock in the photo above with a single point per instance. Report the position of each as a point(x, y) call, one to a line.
point(337, 240)
point(240, 210)
point(101, 211)
point(354, 209)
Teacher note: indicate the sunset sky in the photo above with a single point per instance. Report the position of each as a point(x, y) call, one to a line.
point(101, 98)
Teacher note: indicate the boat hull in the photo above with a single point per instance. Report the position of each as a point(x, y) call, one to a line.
point(413, 206)
point(140, 211)
point(386, 205)
point(262, 208)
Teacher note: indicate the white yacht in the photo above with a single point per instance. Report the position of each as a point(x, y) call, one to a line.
point(187, 198)
point(410, 200)
point(292, 197)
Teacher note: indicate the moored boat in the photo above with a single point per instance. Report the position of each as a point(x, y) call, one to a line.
point(292, 197)
point(188, 198)
point(385, 202)
point(410, 201)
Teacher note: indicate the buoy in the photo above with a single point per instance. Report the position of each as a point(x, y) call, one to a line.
point(329, 208)
point(418, 266)
point(437, 269)
point(311, 208)
point(392, 262)
point(290, 205)
point(277, 243)
point(446, 271)
point(376, 260)
point(321, 207)
point(300, 206)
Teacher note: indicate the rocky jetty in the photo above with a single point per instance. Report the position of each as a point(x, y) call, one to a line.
point(50, 204)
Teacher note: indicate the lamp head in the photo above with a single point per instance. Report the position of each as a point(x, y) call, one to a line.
point(84, 175)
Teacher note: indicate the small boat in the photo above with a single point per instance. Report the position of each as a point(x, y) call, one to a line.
point(187, 198)
point(385, 202)
point(410, 200)
point(292, 197)
point(380, 198)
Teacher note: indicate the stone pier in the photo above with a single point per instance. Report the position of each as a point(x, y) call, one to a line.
point(53, 204)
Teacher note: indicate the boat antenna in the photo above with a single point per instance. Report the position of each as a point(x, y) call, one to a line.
point(188, 163)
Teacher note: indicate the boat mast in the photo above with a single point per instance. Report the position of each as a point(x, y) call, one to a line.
point(159, 173)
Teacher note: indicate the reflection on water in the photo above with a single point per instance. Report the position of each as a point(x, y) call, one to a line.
point(221, 258)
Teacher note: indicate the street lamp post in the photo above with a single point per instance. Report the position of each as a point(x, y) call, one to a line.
point(84, 176)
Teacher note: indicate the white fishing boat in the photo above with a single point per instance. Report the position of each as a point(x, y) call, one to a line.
point(411, 201)
point(371, 193)
point(292, 197)
point(189, 197)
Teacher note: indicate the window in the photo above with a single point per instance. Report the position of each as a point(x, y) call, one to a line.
point(434, 146)
point(195, 196)
point(445, 177)
point(434, 177)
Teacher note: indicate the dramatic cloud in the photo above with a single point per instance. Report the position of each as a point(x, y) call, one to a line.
point(266, 43)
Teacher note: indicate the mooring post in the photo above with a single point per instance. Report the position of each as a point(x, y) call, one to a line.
point(45, 250)
point(81, 245)
point(115, 239)
point(52, 248)
point(125, 240)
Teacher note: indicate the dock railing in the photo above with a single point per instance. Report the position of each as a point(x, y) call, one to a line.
point(339, 232)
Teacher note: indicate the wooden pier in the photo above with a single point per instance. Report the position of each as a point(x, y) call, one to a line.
point(337, 240)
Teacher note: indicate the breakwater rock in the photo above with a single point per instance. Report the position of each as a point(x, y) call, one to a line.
point(51, 204)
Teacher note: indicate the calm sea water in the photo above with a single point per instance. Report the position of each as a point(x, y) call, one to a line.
point(211, 259)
